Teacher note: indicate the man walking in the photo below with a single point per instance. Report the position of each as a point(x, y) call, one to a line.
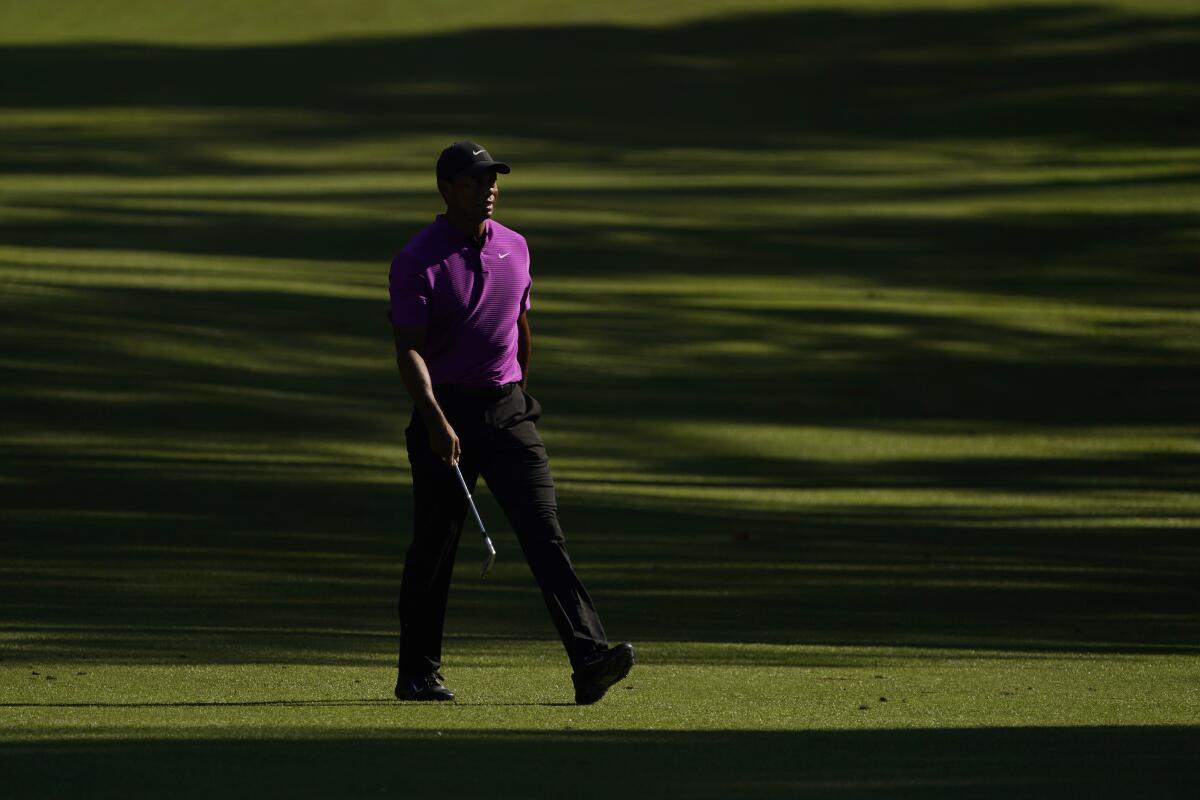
point(459, 310)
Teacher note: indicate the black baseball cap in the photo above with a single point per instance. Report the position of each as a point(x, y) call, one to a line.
point(466, 158)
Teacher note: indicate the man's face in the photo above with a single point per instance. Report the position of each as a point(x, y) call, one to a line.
point(472, 196)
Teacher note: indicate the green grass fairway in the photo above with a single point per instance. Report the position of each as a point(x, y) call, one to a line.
point(711, 720)
point(868, 335)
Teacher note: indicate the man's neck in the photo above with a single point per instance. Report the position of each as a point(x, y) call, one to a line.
point(470, 228)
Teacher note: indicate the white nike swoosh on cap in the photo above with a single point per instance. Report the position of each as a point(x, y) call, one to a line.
point(477, 152)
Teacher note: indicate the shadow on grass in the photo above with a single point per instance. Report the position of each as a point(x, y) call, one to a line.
point(757, 80)
point(367, 701)
point(900, 97)
point(363, 702)
point(226, 464)
point(1025, 762)
point(298, 591)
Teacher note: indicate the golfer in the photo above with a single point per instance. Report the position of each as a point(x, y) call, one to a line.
point(459, 312)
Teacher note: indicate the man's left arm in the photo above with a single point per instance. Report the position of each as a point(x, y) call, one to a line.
point(524, 346)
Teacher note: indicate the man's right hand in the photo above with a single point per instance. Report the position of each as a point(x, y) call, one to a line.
point(442, 438)
point(444, 443)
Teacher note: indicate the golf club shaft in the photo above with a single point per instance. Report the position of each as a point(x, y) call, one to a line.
point(470, 500)
point(487, 541)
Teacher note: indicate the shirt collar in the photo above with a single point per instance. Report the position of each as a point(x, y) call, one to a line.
point(464, 238)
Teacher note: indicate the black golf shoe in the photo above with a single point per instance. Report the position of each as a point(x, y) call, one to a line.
point(600, 671)
point(422, 687)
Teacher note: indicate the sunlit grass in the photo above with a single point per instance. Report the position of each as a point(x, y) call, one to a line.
point(271, 21)
point(511, 686)
point(864, 179)
point(865, 415)
point(142, 269)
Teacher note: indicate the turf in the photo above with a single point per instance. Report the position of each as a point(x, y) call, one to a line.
point(868, 341)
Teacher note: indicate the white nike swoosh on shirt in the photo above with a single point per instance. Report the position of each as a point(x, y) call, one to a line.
point(504, 255)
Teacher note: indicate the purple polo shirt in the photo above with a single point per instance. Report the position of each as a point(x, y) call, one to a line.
point(467, 298)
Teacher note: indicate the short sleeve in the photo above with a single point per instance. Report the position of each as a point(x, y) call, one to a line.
point(410, 293)
point(525, 298)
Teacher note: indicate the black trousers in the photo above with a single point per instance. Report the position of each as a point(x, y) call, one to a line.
point(500, 442)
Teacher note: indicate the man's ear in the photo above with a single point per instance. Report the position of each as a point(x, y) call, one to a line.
point(443, 187)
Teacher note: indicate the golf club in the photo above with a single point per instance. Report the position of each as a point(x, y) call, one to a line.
point(487, 542)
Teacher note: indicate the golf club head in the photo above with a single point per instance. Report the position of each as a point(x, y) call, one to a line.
point(488, 559)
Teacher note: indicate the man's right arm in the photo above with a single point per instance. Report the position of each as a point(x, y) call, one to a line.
point(414, 372)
